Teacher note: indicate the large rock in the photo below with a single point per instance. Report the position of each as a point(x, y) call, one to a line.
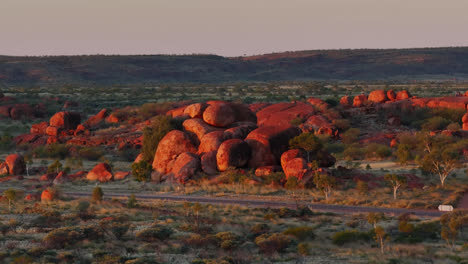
point(208, 163)
point(171, 145)
point(61, 178)
point(318, 103)
point(378, 96)
point(195, 110)
point(211, 141)
point(240, 130)
point(233, 153)
point(391, 95)
point(39, 128)
point(96, 119)
point(296, 167)
point(359, 100)
point(401, 95)
point(283, 113)
point(52, 131)
point(291, 154)
point(120, 175)
point(268, 143)
point(15, 164)
point(65, 120)
point(47, 196)
point(243, 113)
point(346, 101)
point(198, 127)
point(185, 166)
point(101, 172)
point(219, 115)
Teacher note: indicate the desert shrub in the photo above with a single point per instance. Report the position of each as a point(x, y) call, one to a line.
point(341, 124)
point(227, 240)
point(270, 243)
point(259, 229)
point(47, 219)
point(63, 237)
point(119, 229)
point(97, 194)
point(348, 236)
point(350, 136)
point(160, 126)
point(297, 121)
point(90, 153)
point(152, 109)
point(275, 178)
point(332, 101)
point(154, 233)
point(300, 232)
point(354, 152)
point(6, 142)
point(132, 201)
point(453, 127)
point(435, 123)
point(141, 171)
point(55, 167)
point(377, 150)
point(334, 147)
point(303, 249)
point(57, 151)
point(417, 233)
point(82, 210)
point(197, 240)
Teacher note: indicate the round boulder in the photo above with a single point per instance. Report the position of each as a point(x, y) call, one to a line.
point(378, 96)
point(219, 115)
point(195, 110)
point(233, 153)
point(186, 166)
point(171, 145)
point(15, 164)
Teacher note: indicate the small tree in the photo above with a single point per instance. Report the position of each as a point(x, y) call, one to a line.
point(362, 187)
point(441, 162)
point(325, 183)
point(374, 218)
point(141, 171)
point(97, 194)
point(196, 210)
point(308, 142)
point(11, 195)
point(403, 153)
point(132, 201)
point(452, 223)
point(161, 125)
point(380, 236)
point(55, 167)
point(29, 162)
point(396, 181)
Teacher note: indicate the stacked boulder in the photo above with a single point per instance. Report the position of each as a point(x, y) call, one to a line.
point(218, 136)
point(465, 121)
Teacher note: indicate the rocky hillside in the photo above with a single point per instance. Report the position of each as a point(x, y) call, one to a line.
point(364, 64)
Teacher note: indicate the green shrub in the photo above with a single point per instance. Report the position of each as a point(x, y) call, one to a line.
point(435, 123)
point(154, 233)
point(160, 126)
point(90, 153)
point(141, 171)
point(348, 236)
point(259, 229)
point(63, 237)
point(97, 194)
point(270, 243)
point(300, 232)
point(303, 249)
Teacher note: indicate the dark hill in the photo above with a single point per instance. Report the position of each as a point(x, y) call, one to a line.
point(362, 64)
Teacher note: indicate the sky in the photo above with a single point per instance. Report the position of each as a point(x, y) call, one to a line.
point(226, 27)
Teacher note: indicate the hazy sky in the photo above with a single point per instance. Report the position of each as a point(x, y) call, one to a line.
point(226, 27)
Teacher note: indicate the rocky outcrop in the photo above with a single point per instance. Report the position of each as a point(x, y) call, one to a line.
point(359, 100)
point(120, 175)
point(233, 153)
point(14, 165)
point(240, 130)
point(101, 172)
point(296, 167)
point(185, 167)
point(39, 128)
point(465, 121)
point(283, 113)
point(96, 119)
point(268, 143)
point(171, 145)
point(48, 196)
point(65, 120)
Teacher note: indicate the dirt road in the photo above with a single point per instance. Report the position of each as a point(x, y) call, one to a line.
point(349, 209)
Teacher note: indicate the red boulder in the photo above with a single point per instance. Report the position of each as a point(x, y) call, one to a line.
point(185, 167)
point(101, 172)
point(208, 163)
point(219, 115)
point(360, 100)
point(171, 145)
point(403, 95)
point(195, 110)
point(233, 153)
point(378, 96)
point(65, 120)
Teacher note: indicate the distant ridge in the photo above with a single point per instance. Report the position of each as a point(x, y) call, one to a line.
point(345, 64)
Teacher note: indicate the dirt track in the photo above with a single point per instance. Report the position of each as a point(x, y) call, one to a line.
point(349, 209)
